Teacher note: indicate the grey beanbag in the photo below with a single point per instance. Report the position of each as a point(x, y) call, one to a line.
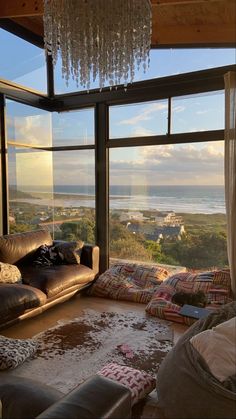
point(185, 386)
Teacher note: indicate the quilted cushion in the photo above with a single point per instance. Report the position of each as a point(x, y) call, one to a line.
point(130, 282)
point(145, 276)
point(139, 382)
point(215, 284)
point(9, 274)
point(14, 352)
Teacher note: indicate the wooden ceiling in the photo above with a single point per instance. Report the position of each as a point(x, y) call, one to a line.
point(176, 23)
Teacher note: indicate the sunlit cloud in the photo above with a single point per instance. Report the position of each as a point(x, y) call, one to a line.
point(32, 130)
point(142, 132)
point(145, 114)
point(178, 109)
point(173, 165)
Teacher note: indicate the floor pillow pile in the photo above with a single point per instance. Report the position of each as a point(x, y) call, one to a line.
point(214, 284)
point(130, 282)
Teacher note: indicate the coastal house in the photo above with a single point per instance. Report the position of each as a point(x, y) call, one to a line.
point(161, 135)
point(156, 233)
point(132, 215)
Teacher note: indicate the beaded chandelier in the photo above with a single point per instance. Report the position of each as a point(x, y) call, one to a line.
point(104, 39)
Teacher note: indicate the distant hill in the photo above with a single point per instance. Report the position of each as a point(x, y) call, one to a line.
point(16, 194)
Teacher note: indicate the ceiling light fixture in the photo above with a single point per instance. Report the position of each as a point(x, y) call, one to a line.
point(98, 39)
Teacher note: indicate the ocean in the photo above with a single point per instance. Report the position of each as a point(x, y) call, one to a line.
point(185, 199)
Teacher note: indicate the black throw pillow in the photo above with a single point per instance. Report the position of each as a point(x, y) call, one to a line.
point(47, 256)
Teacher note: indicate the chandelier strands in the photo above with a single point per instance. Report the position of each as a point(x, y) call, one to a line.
point(104, 39)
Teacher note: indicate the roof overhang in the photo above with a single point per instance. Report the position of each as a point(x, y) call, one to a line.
point(176, 23)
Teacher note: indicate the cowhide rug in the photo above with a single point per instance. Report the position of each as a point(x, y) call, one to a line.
point(72, 351)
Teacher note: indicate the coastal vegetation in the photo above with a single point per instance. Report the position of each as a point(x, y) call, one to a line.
point(202, 246)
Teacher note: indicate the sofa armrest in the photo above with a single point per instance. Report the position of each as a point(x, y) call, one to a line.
point(98, 397)
point(90, 257)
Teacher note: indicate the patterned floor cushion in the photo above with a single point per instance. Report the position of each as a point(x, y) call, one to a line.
point(130, 282)
point(140, 383)
point(14, 352)
point(215, 285)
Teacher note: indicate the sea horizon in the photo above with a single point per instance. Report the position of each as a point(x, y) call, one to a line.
point(207, 199)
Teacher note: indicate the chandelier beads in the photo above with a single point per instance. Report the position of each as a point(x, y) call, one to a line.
point(104, 39)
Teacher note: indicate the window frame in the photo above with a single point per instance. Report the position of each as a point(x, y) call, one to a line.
point(166, 87)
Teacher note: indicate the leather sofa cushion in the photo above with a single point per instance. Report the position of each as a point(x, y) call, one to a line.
point(97, 397)
point(16, 298)
point(19, 248)
point(54, 279)
point(25, 398)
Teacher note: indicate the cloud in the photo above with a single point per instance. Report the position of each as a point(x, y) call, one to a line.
point(203, 112)
point(145, 114)
point(74, 167)
point(178, 109)
point(31, 130)
point(172, 165)
point(142, 132)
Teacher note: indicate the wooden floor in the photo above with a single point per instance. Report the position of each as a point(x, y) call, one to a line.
point(74, 308)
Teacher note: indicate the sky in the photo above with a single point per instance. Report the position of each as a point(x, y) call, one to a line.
point(198, 164)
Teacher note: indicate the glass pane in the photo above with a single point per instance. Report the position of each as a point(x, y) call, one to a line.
point(138, 120)
point(73, 128)
point(28, 125)
point(74, 195)
point(22, 62)
point(30, 189)
point(200, 112)
point(163, 63)
point(167, 205)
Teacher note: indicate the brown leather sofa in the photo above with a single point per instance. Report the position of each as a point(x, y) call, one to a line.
point(97, 397)
point(44, 286)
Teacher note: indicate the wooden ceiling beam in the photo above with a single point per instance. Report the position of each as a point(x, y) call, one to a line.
point(20, 8)
point(23, 8)
point(194, 34)
point(177, 2)
point(35, 27)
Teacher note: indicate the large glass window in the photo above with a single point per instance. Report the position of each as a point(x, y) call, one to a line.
point(29, 169)
point(201, 112)
point(51, 189)
point(163, 63)
point(73, 128)
point(30, 188)
point(167, 205)
point(22, 62)
point(28, 126)
point(139, 119)
point(74, 195)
